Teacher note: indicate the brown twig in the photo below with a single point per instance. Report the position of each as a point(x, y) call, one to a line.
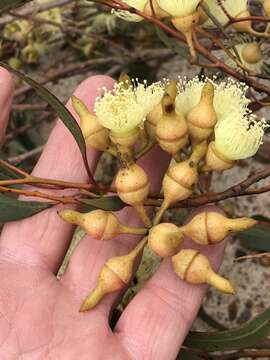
point(22, 157)
point(38, 194)
point(119, 5)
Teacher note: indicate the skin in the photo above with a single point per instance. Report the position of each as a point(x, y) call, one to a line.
point(39, 316)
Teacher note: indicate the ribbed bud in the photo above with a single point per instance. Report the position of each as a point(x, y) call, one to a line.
point(165, 239)
point(132, 185)
point(95, 135)
point(211, 227)
point(156, 114)
point(215, 161)
point(194, 268)
point(171, 129)
point(202, 118)
point(101, 225)
point(179, 180)
point(115, 275)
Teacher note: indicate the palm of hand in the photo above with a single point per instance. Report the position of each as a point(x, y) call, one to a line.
point(39, 316)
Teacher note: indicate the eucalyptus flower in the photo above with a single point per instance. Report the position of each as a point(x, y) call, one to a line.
point(239, 137)
point(124, 109)
point(229, 96)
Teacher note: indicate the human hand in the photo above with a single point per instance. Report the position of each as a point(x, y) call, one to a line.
point(39, 316)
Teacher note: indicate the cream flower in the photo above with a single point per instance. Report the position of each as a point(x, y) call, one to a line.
point(179, 8)
point(125, 107)
point(233, 7)
point(229, 96)
point(128, 16)
point(239, 137)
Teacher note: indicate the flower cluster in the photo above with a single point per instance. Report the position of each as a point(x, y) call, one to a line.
point(238, 133)
point(205, 125)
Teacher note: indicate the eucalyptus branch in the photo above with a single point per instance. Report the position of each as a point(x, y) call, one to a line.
point(219, 64)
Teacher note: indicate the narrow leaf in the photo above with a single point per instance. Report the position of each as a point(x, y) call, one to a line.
point(6, 5)
point(12, 209)
point(108, 203)
point(60, 109)
point(257, 238)
point(244, 336)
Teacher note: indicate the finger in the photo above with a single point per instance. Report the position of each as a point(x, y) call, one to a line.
point(86, 262)
point(43, 239)
point(6, 97)
point(156, 322)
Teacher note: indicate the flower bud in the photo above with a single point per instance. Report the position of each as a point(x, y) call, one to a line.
point(171, 129)
point(156, 114)
point(211, 227)
point(95, 135)
point(101, 225)
point(215, 161)
point(132, 185)
point(179, 180)
point(194, 268)
point(115, 275)
point(165, 239)
point(202, 118)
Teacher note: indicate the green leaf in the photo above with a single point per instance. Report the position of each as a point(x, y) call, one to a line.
point(12, 209)
point(108, 203)
point(60, 109)
point(244, 336)
point(257, 238)
point(6, 5)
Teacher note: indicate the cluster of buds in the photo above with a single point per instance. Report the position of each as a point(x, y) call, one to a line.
point(34, 36)
point(166, 240)
point(186, 15)
point(204, 126)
